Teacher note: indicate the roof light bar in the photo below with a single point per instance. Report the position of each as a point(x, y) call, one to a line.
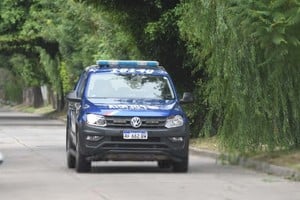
point(127, 63)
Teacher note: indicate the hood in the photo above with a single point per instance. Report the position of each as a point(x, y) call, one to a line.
point(130, 107)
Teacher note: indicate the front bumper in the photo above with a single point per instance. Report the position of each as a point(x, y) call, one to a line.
point(112, 146)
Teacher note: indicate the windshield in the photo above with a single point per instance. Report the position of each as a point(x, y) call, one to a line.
point(107, 85)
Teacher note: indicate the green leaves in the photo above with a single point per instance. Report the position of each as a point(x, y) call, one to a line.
point(278, 39)
point(12, 15)
point(253, 69)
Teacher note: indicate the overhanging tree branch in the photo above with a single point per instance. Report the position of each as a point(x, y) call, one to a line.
point(26, 45)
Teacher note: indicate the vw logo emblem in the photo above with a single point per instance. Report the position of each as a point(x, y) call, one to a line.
point(136, 122)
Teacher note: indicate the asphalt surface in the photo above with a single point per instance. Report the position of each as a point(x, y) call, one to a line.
point(34, 167)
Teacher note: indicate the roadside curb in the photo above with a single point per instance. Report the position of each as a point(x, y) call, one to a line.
point(204, 152)
point(249, 163)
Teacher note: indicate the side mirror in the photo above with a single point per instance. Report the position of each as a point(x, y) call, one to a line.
point(187, 98)
point(72, 96)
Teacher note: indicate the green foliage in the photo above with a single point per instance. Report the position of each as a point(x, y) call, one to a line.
point(248, 51)
point(29, 69)
point(10, 87)
point(12, 15)
point(13, 92)
point(150, 32)
point(51, 70)
point(65, 76)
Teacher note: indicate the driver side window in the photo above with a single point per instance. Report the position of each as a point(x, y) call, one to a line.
point(81, 86)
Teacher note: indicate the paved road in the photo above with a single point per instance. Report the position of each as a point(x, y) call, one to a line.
point(34, 168)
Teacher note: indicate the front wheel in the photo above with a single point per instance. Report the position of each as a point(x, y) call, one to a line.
point(69, 147)
point(82, 165)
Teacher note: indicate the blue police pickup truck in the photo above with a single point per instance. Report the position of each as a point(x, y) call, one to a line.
point(126, 110)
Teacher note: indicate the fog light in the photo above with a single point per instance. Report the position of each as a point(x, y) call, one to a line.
point(93, 138)
point(176, 139)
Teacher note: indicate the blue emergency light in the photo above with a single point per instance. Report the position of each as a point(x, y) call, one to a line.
point(127, 63)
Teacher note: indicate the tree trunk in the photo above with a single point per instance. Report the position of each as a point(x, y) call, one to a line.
point(60, 101)
point(32, 96)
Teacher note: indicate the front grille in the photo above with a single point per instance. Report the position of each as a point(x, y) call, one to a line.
point(147, 122)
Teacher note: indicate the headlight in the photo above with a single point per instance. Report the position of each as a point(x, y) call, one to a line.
point(96, 120)
point(174, 121)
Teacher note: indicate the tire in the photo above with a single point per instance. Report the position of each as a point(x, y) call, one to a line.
point(71, 161)
point(81, 164)
point(164, 164)
point(181, 166)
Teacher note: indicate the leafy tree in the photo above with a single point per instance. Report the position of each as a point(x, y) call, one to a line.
point(151, 27)
point(247, 48)
point(10, 87)
point(17, 43)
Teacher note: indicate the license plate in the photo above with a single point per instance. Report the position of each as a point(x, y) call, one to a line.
point(135, 135)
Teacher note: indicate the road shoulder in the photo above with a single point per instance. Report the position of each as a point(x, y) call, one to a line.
point(251, 163)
